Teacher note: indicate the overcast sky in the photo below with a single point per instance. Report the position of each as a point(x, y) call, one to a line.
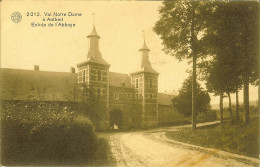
point(119, 24)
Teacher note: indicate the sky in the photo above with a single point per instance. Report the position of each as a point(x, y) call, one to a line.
point(119, 24)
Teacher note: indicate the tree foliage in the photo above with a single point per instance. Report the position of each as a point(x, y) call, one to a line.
point(182, 103)
point(231, 38)
point(180, 27)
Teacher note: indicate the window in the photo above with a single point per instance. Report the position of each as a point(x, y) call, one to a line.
point(151, 83)
point(136, 95)
point(80, 77)
point(129, 96)
point(84, 76)
point(136, 83)
point(98, 93)
point(116, 96)
point(151, 96)
point(99, 75)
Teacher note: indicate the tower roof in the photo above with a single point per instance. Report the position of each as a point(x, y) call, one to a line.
point(94, 55)
point(144, 47)
point(93, 33)
point(145, 66)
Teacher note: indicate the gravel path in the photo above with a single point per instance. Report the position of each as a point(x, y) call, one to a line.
point(152, 149)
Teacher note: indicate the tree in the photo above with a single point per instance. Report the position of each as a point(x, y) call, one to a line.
point(183, 102)
point(249, 21)
point(180, 25)
point(232, 39)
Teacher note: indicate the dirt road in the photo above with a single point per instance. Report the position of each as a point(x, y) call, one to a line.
point(152, 149)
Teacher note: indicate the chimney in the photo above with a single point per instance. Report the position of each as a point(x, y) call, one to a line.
point(72, 69)
point(36, 67)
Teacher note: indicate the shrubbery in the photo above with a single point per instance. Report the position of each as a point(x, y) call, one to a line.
point(210, 115)
point(46, 137)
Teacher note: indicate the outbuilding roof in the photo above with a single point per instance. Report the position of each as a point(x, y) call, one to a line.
point(18, 84)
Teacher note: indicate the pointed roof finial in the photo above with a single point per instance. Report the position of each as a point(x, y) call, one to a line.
point(93, 15)
point(94, 32)
point(143, 35)
point(144, 45)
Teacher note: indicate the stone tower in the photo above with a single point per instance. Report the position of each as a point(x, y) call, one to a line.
point(145, 81)
point(94, 74)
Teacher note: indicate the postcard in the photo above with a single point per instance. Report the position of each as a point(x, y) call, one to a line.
point(129, 83)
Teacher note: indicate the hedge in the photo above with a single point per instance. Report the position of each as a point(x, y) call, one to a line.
point(46, 137)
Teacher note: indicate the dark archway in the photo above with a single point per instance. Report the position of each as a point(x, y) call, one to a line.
point(116, 118)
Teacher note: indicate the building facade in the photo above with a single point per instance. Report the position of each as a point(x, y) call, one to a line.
point(140, 87)
point(128, 101)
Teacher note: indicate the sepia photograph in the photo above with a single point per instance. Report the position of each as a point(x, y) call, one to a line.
point(129, 83)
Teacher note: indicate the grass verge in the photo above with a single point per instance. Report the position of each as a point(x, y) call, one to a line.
point(240, 139)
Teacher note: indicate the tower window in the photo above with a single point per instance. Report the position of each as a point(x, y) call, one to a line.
point(116, 96)
point(151, 83)
point(98, 93)
point(99, 75)
point(136, 83)
point(84, 76)
point(80, 77)
point(151, 96)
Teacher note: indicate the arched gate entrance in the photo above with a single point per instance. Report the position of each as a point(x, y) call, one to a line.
point(116, 118)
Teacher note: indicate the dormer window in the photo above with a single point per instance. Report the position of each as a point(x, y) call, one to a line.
point(99, 75)
point(136, 83)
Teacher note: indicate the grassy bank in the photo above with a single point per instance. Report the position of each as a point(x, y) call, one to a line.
point(240, 139)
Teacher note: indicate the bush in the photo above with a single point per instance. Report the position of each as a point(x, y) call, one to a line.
point(210, 115)
point(46, 137)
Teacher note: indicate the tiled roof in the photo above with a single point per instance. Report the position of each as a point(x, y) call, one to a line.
point(17, 84)
point(117, 79)
point(165, 99)
point(20, 84)
point(146, 70)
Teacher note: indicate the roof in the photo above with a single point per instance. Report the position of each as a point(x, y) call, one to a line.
point(146, 70)
point(18, 84)
point(93, 33)
point(144, 47)
point(165, 99)
point(117, 79)
point(92, 58)
point(146, 66)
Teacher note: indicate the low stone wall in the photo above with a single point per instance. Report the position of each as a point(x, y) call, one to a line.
point(31, 106)
point(131, 112)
